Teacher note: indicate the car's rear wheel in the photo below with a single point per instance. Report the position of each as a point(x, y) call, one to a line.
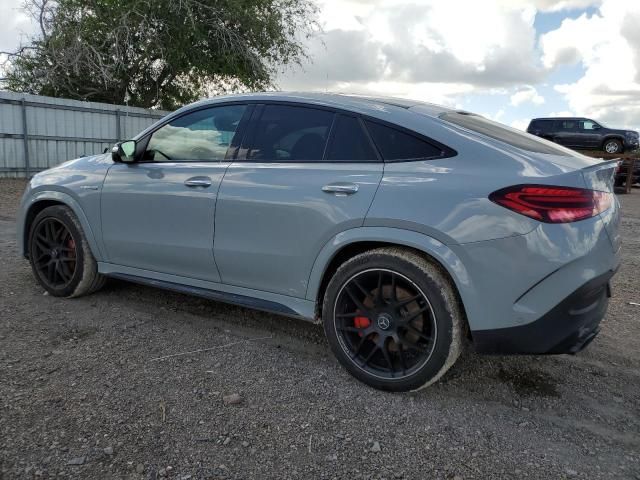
point(392, 319)
point(60, 256)
point(612, 146)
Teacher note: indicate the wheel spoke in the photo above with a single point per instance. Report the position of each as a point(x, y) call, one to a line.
point(407, 301)
point(419, 333)
point(349, 315)
point(51, 272)
point(355, 299)
point(394, 293)
point(359, 347)
point(361, 288)
point(387, 357)
point(64, 275)
point(401, 355)
point(379, 300)
point(350, 329)
point(370, 356)
point(415, 314)
point(42, 241)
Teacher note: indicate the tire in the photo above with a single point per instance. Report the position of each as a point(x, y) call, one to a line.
point(437, 337)
point(612, 146)
point(66, 253)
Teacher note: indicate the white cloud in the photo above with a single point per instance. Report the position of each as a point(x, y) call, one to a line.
point(520, 124)
point(608, 47)
point(559, 5)
point(563, 113)
point(527, 94)
point(410, 48)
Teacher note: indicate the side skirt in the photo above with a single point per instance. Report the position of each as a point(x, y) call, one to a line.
point(205, 290)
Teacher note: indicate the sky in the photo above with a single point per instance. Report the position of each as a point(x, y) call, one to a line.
point(510, 60)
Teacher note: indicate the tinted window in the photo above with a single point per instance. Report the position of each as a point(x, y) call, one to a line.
point(396, 145)
point(567, 124)
point(349, 142)
point(541, 124)
point(203, 135)
point(285, 133)
point(503, 133)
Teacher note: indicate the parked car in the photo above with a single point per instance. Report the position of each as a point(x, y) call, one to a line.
point(576, 132)
point(406, 228)
point(623, 172)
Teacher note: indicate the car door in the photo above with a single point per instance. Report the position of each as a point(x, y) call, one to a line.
point(588, 134)
point(158, 213)
point(303, 175)
point(566, 133)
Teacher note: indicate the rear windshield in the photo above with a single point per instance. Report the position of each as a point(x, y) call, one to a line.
point(505, 134)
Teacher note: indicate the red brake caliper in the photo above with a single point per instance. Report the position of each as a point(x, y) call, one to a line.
point(361, 322)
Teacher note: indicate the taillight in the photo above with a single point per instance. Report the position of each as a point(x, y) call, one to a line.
point(551, 204)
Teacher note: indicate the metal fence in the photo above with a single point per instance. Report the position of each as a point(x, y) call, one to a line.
point(37, 132)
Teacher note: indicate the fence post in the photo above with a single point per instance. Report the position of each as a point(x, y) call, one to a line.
point(25, 137)
point(118, 132)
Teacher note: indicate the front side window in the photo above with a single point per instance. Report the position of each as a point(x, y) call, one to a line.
point(289, 133)
point(395, 145)
point(201, 136)
point(588, 125)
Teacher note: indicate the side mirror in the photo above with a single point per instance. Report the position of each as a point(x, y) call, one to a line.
point(596, 127)
point(124, 152)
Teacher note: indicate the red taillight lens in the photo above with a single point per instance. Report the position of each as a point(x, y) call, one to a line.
point(552, 204)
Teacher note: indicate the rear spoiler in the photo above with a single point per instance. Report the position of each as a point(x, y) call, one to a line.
point(601, 176)
point(604, 165)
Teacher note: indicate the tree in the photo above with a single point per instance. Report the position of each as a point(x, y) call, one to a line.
point(158, 53)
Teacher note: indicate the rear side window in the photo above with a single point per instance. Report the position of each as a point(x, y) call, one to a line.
point(541, 124)
point(349, 142)
point(505, 134)
point(567, 124)
point(396, 145)
point(288, 133)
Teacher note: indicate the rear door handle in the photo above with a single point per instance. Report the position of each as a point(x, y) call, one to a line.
point(341, 188)
point(198, 182)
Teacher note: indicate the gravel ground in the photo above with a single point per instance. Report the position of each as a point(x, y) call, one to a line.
point(82, 394)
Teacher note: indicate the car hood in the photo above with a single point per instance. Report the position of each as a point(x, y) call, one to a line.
point(83, 170)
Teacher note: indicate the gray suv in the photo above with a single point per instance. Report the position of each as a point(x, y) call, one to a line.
point(407, 229)
point(576, 132)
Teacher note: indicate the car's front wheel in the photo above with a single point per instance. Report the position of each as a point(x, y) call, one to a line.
point(60, 256)
point(612, 146)
point(392, 319)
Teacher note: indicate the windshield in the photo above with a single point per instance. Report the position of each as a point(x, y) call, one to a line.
point(505, 134)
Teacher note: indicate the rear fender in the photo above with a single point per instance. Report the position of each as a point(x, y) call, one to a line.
point(430, 246)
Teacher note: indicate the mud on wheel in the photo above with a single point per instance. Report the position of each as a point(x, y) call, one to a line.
point(392, 319)
point(60, 255)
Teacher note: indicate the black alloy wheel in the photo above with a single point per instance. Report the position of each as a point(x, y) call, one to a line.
point(54, 253)
point(385, 324)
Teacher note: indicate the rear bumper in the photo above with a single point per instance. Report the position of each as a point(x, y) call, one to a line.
point(567, 328)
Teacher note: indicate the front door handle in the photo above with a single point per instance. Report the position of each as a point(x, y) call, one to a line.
point(341, 188)
point(198, 182)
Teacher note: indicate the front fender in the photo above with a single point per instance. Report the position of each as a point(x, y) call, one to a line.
point(436, 249)
point(60, 197)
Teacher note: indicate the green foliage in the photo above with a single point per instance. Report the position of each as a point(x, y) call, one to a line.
point(158, 53)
